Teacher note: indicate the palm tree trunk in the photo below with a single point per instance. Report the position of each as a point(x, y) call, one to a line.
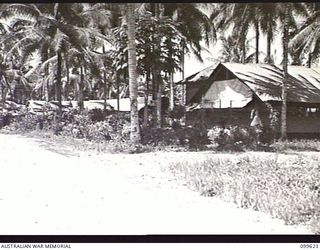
point(171, 92)
point(183, 86)
point(285, 41)
point(104, 82)
point(46, 83)
point(105, 90)
point(257, 40)
point(157, 75)
point(3, 92)
point(269, 40)
point(243, 49)
point(159, 116)
point(59, 84)
point(146, 100)
point(66, 91)
point(118, 90)
point(132, 66)
point(309, 60)
point(80, 90)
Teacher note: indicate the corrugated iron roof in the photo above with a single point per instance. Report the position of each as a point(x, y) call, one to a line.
point(263, 79)
point(309, 76)
point(201, 75)
point(266, 81)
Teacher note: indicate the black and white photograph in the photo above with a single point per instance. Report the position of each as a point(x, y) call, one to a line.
point(160, 118)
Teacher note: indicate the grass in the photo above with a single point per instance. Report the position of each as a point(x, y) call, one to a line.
point(296, 145)
point(76, 144)
point(284, 186)
point(288, 189)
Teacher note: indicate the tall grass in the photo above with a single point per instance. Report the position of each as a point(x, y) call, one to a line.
point(289, 190)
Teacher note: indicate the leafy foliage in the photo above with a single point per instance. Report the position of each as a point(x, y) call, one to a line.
point(187, 137)
point(91, 125)
point(239, 138)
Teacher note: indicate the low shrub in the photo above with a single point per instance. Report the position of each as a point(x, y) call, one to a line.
point(239, 138)
point(178, 112)
point(288, 189)
point(73, 123)
point(5, 119)
point(188, 136)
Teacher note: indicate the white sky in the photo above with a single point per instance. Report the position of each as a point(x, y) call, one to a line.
point(192, 65)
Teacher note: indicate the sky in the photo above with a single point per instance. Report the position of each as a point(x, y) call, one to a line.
point(192, 65)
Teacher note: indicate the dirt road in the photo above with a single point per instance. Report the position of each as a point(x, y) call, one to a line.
point(45, 189)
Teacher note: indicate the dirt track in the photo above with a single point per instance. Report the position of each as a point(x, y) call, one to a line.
point(45, 189)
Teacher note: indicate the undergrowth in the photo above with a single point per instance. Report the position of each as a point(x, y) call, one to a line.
point(288, 189)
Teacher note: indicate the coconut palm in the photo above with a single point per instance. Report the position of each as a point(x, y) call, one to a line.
point(55, 29)
point(227, 15)
point(132, 66)
point(307, 40)
point(230, 52)
point(193, 24)
point(268, 25)
point(287, 13)
point(238, 17)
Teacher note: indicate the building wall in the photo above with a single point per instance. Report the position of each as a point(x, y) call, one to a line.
point(297, 122)
point(227, 116)
point(298, 119)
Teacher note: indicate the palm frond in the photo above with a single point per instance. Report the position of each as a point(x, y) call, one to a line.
point(45, 63)
point(21, 10)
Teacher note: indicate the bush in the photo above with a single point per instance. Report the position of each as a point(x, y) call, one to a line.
point(178, 112)
point(189, 136)
point(5, 118)
point(287, 189)
point(238, 137)
point(96, 115)
point(74, 123)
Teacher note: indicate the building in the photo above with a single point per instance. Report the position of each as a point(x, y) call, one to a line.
point(227, 93)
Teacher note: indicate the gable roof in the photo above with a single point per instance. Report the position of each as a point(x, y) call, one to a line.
point(266, 81)
point(263, 79)
point(201, 75)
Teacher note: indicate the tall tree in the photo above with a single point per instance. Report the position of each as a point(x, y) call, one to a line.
point(285, 72)
point(132, 65)
point(306, 42)
point(287, 13)
point(57, 30)
point(268, 26)
point(238, 17)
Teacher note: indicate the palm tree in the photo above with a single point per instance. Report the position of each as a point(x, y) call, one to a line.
point(230, 52)
point(285, 72)
point(56, 29)
point(307, 39)
point(261, 16)
point(239, 17)
point(158, 53)
point(195, 27)
point(227, 14)
point(268, 26)
point(286, 13)
point(132, 65)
